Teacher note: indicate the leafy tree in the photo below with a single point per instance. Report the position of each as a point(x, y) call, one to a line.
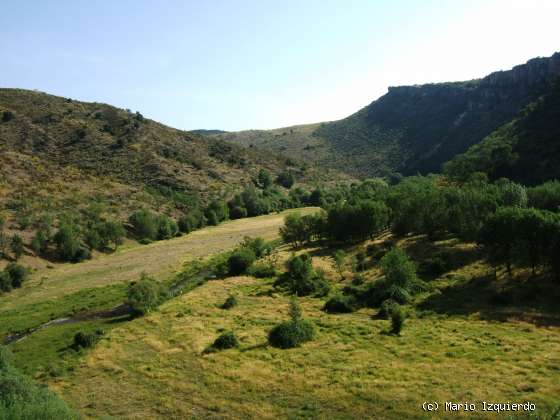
point(339, 258)
point(144, 224)
point(264, 179)
point(240, 261)
point(69, 247)
point(301, 279)
point(217, 211)
point(167, 228)
point(512, 194)
point(17, 274)
point(257, 245)
point(16, 244)
point(354, 222)
point(545, 196)
point(193, 220)
point(144, 295)
point(286, 179)
point(293, 231)
point(400, 276)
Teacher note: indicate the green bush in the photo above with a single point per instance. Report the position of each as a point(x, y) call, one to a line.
point(167, 228)
point(262, 270)
point(144, 224)
point(69, 247)
point(16, 245)
point(17, 274)
point(87, 339)
point(230, 302)
point(240, 261)
point(257, 245)
point(398, 316)
point(225, 341)
point(144, 295)
point(340, 304)
point(294, 332)
point(386, 308)
point(5, 282)
point(301, 279)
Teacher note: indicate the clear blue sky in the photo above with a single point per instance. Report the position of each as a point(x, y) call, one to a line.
point(261, 64)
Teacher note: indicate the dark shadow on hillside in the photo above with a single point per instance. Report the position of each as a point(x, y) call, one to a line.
point(531, 299)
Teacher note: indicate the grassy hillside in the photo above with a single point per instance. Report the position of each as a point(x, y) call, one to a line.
point(352, 369)
point(412, 129)
point(526, 149)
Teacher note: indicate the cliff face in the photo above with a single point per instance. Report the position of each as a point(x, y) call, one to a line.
point(417, 128)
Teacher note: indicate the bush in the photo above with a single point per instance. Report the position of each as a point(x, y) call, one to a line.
point(225, 341)
point(340, 305)
point(69, 247)
point(230, 302)
point(240, 261)
point(87, 339)
point(286, 179)
point(292, 333)
point(5, 282)
point(167, 228)
point(17, 274)
point(238, 212)
point(398, 316)
point(386, 308)
point(144, 295)
point(16, 245)
point(144, 224)
point(400, 276)
point(262, 270)
point(257, 245)
point(301, 279)
point(7, 116)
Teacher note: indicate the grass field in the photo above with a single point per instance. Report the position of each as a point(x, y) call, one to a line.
point(100, 284)
point(461, 342)
point(154, 367)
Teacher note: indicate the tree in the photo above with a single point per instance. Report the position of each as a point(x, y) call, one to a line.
point(217, 211)
point(339, 258)
point(240, 261)
point(301, 279)
point(264, 179)
point(144, 295)
point(293, 231)
point(69, 247)
point(400, 276)
point(16, 244)
point(286, 179)
point(144, 224)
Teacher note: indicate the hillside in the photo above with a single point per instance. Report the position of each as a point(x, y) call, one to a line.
point(526, 149)
point(88, 166)
point(412, 129)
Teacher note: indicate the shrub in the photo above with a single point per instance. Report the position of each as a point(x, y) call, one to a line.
point(398, 316)
point(257, 245)
point(16, 244)
point(240, 261)
point(340, 304)
point(292, 333)
point(69, 247)
point(230, 302)
point(144, 224)
point(39, 242)
point(87, 339)
point(167, 228)
point(434, 266)
point(262, 270)
point(144, 295)
point(5, 282)
point(286, 179)
point(225, 341)
point(301, 279)
point(238, 212)
point(17, 274)
point(7, 116)
point(386, 308)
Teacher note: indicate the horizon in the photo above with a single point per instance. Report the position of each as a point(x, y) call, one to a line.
point(254, 66)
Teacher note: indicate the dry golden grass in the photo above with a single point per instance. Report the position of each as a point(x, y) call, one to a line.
point(154, 367)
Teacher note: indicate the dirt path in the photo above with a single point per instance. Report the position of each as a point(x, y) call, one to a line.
point(160, 259)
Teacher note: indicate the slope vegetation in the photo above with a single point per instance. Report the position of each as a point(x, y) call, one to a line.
point(413, 129)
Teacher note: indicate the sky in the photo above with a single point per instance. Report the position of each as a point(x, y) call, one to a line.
point(261, 64)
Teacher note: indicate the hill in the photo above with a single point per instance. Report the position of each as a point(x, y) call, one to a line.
point(90, 165)
point(413, 129)
point(526, 149)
